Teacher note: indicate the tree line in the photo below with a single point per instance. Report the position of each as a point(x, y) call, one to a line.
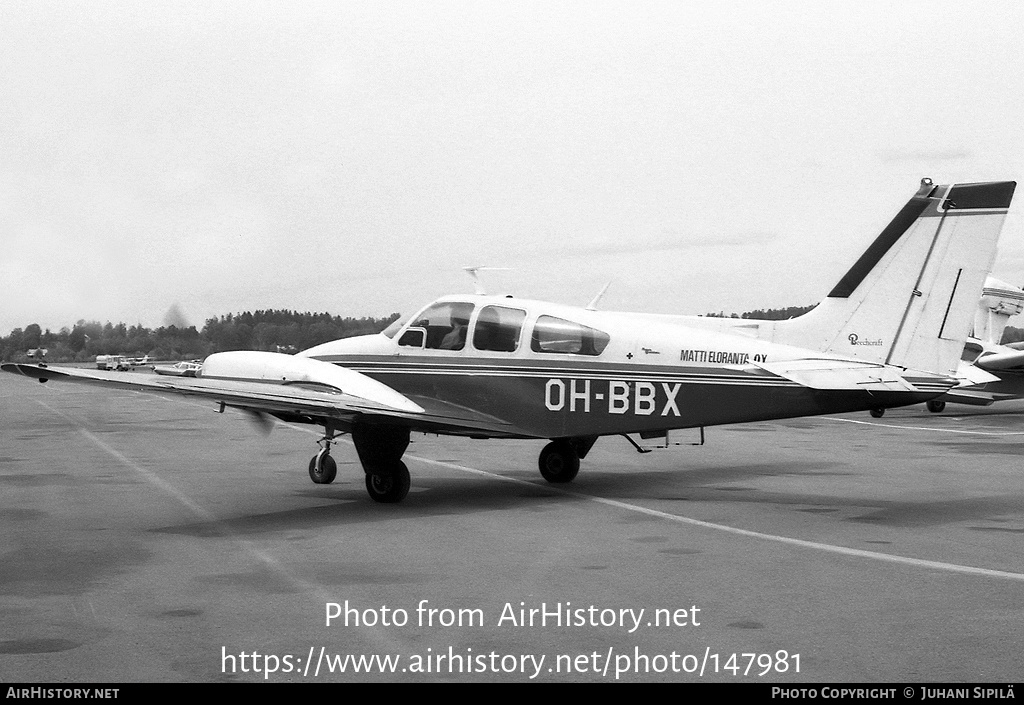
point(767, 314)
point(271, 330)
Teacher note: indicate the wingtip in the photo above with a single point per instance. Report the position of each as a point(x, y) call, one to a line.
point(34, 371)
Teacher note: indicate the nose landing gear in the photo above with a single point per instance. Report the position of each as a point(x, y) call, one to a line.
point(322, 467)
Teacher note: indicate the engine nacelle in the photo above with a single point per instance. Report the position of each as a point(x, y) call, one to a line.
point(276, 368)
point(999, 302)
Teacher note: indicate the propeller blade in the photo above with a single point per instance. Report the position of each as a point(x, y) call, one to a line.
point(264, 423)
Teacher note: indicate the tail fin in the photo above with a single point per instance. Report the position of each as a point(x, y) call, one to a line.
point(910, 299)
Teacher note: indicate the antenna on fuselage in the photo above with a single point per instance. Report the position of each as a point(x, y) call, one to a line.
point(478, 285)
point(592, 306)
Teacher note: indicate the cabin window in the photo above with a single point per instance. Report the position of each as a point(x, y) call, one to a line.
point(498, 328)
point(446, 325)
point(556, 335)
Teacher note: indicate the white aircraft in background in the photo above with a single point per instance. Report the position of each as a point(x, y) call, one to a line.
point(989, 370)
point(890, 333)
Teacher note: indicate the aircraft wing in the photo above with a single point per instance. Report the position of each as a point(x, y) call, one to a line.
point(832, 374)
point(317, 403)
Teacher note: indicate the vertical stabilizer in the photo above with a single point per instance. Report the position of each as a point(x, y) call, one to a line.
point(910, 298)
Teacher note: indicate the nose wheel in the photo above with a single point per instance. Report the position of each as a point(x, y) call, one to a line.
point(322, 467)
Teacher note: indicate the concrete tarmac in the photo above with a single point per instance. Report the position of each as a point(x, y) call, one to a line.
point(149, 539)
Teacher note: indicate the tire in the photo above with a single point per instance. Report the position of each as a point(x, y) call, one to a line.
point(877, 413)
point(328, 470)
point(559, 462)
point(936, 407)
point(389, 488)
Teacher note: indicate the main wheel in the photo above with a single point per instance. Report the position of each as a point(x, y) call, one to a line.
point(935, 406)
point(389, 488)
point(325, 474)
point(877, 413)
point(559, 462)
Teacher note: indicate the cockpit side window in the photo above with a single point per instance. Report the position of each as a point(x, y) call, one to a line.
point(446, 324)
point(498, 328)
point(557, 335)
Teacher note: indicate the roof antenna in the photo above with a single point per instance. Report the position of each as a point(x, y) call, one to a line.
point(478, 285)
point(592, 306)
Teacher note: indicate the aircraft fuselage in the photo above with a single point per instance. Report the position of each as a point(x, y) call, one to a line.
point(649, 375)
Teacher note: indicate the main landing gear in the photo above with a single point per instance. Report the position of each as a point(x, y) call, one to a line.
point(380, 450)
point(560, 460)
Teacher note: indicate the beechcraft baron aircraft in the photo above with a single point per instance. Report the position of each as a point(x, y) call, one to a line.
point(889, 334)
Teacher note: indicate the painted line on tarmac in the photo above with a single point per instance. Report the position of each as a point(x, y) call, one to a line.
point(378, 634)
point(924, 428)
point(181, 497)
point(829, 548)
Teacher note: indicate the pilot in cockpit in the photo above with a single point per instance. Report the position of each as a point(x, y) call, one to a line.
point(456, 337)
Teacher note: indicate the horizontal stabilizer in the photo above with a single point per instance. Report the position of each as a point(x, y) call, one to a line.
point(959, 396)
point(970, 375)
point(848, 374)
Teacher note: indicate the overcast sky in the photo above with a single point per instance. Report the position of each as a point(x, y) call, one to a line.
point(352, 157)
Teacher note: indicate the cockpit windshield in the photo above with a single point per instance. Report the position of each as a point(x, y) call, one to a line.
point(392, 330)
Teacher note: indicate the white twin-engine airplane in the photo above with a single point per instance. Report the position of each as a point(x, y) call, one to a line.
point(889, 334)
point(990, 371)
